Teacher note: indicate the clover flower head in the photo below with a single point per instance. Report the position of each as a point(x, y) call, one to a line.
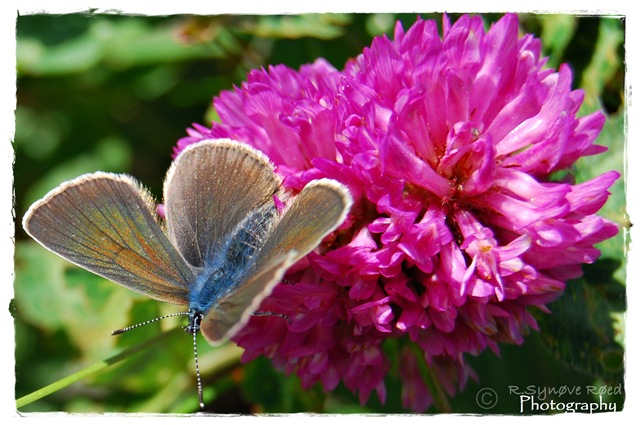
point(450, 146)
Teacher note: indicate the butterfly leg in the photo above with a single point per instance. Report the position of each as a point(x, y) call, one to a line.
point(271, 313)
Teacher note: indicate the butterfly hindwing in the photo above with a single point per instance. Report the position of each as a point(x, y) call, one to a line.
point(232, 312)
point(316, 211)
point(104, 223)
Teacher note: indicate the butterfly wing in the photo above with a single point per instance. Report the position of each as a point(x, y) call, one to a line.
point(104, 223)
point(315, 212)
point(233, 311)
point(210, 188)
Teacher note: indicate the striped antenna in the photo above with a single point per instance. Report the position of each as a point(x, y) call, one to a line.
point(128, 328)
point(195, 357)
point(193, 328)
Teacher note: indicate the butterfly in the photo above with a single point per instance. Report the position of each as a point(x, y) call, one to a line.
point(225, 243)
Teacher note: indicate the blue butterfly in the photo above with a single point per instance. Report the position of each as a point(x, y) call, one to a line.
point(225, 246)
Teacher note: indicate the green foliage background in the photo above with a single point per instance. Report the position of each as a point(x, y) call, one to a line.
point(115, 93)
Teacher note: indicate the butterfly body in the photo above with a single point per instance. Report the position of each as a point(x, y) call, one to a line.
point(225, 269)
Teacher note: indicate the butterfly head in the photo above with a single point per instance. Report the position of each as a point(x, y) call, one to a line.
point(195, 318)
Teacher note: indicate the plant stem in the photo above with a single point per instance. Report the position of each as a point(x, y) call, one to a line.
point(96, 367)
point(440, 399)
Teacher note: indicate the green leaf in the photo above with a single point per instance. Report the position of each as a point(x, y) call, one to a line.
point(120, 43)
point(581, 331)
point(605, 61)
point(276, 392)
point(323, 26)
point(52, 294)
point(612, 136)
point(76, 55)
point(557, 32)
point(110, 154)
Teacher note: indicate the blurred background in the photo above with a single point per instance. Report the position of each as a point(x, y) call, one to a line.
point(116, 92)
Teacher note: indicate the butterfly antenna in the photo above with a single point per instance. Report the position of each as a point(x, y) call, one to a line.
point(194, 331)
point(195, 357)
point(128, 328)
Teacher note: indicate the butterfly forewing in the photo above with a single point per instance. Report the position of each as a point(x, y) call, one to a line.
point(233, 311)
point(104, 223)
point(314, 213)
point(210, 188)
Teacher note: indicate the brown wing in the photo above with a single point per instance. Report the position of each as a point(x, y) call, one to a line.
point(210, 188)
point(314, 213)
point(105, 224)
point(232, 312)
